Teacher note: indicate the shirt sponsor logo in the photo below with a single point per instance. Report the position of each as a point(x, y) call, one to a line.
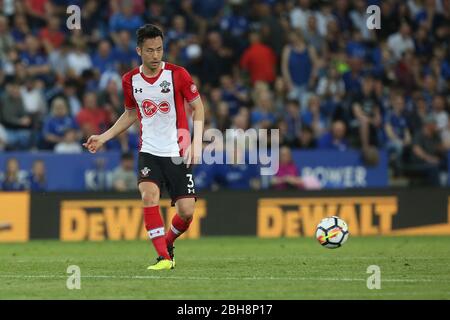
point(150, 108)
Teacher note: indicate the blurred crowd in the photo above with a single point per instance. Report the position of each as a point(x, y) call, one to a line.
point(309, 68)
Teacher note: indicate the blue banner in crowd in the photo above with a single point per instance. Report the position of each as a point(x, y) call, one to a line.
point(336, 169)
point(67, 172)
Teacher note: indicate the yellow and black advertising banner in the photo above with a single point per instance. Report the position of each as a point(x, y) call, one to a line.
point(98, 220)
point(14, 216)
point(266, 214)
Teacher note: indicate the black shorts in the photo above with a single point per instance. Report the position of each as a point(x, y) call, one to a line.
point(163, 171)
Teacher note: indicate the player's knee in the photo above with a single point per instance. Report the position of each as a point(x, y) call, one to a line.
point(150, 198)
point(186, 211)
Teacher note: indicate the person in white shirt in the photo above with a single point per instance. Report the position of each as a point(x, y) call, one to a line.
point(69, 144)
point(401, 41)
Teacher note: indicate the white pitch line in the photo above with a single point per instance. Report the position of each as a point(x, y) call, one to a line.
point(220, 278)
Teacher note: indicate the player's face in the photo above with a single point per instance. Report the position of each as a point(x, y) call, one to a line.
point(151, 52)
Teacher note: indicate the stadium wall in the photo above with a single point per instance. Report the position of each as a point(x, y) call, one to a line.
point(117, 216)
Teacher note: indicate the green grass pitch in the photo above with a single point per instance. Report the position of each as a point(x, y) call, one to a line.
point(230, 268)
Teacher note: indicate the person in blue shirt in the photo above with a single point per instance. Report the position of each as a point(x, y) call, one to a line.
point(57, 123)
point(37, 180)
point(335, 138)
point(262, 116)
point(397, 132)
point(234, 94)
point(36, 62)
point(12, 179)
point(124, 53)
point(125, 20)
point(102, 59)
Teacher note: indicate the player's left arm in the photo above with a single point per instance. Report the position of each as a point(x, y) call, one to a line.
point(198, 118)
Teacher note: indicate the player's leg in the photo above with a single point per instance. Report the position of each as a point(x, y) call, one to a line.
point(181, 220)
point(181, 187)
point(149, 187)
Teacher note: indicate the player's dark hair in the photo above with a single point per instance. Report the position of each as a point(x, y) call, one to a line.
point(148, 31)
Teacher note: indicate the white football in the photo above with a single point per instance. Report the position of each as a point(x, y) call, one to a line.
point(332, 232)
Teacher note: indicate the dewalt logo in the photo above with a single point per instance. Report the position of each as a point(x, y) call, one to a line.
point(98, 220)
point(294, 217)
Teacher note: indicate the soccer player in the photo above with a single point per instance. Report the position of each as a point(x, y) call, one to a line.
point(155, 93)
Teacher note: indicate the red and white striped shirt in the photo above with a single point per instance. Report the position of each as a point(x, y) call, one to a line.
point(159, 101)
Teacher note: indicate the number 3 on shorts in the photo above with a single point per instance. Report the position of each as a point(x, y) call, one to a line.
point(191, 182)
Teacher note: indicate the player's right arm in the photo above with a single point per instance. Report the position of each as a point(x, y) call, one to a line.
point(127, 118)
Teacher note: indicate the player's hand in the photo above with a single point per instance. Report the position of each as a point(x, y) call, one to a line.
point(94, 143)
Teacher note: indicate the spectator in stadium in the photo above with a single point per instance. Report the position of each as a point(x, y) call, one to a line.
point(13, 178)
point(429, 89)
point(99, 177)
point(6, 40)
point(20, 30)
point(51, 36)
point(112, 98)
point(222, 117)
point(335, 138)
point(37, 179)
point(78, 60)
point(299, 14)
point(367, 113)
point(259, 60)
point(358, 17)
point(35, 61)
point(35, 105)
point(397, 132)
point(92, 119)
point(287, 176)
point(312, 116)
point(262, 115)
point(124, 19)
point(3, 138)
point(57, 123)
point(233, 93)
point(102, 59)
point(428, 152)
point(313, 37)
point(14, 117)
point(416, 116)
point(124, 53)
point(124, 177)
point(440, 112)
point(331, 87)
point(298, 63)
point(70, 143)
point(306, 139)
point(178, 32)
point(271, 27)
point(292, 118)
point(70, 94)
point(37, 11)
point(58, 61)
point(401, 41)
point(217, 59)
point(445, 135)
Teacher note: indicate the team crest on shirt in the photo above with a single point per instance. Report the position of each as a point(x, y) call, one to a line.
point(145, 171)
point(165, 86)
